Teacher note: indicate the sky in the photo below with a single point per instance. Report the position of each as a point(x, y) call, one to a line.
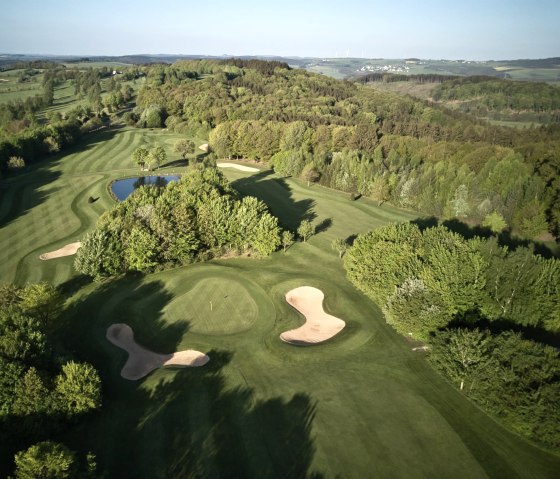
point(429, 29)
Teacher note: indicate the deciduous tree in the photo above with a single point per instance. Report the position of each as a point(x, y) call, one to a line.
point(45, 460)
point(305, 230)
point(78, 388)
point(184, 147)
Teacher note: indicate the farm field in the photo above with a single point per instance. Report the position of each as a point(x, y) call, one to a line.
point(361, 405)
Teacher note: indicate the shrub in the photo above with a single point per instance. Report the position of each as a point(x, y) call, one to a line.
point(15, 163)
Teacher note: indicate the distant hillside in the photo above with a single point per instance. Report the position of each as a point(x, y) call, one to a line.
point(547, 69)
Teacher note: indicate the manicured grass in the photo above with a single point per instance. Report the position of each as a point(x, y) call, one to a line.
point(217, 304)
point(47, 206)
point(361, 405)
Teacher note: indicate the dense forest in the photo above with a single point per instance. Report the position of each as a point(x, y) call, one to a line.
point(483, 309)
point(352, 138)
point(496, 98)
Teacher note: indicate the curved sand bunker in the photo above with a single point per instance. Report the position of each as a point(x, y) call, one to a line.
point(67, 250)
point(319, 326)
point(142, 361)
point(238, 167)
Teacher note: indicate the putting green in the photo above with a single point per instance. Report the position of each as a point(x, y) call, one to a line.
point(214, 306)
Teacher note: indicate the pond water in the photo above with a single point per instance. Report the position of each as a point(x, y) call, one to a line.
point(123, 188)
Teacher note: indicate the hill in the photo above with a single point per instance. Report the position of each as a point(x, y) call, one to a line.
point(546, 70)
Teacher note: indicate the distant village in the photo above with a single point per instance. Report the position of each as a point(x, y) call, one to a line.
point(385, 68)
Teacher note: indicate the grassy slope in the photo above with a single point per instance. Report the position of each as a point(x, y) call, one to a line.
point(362, 405)
point(47, 207)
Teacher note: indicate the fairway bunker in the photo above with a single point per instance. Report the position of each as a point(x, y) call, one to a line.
point(68, 250)
point(238, 167)
point(319, 326)
point(142, 361)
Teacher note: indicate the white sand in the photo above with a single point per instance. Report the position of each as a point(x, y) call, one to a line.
point(67, 250)
point(142, 361)
point(319, 326)
point(204, 147)
point(238, 167)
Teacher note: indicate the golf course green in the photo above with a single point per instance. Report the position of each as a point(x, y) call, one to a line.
point(363, 404)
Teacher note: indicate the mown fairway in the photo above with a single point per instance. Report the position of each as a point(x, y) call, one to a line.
point(362, 405)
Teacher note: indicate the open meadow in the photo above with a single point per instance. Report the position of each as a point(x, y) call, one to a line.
point(363, 404)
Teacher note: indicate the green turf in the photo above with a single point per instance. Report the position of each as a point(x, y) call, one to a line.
point(214, 305)
point(361, 405)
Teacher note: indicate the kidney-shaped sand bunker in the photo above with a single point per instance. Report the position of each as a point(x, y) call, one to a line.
point(319, 326)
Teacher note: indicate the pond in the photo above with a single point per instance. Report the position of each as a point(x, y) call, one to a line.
point(123, 188)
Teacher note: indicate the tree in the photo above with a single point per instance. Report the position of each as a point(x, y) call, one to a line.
point(31, 395)
point(78, 388)
point(48, 92)
point(383, 259)
point(265, 237)
point(495, 222)
point(43, 301)
point(152, 117)
point(140, 156)
point(305, 230)
point(453, 268)
point(184, 147)
point(460, 202)
point(101, 253)
point(414, 310)
point(460, 354)
point(15, 163)
point(310, 174)
point(530, 220)
point(21, 337)
point(45, 460)
point(340, 245)
point(10, 374)
point(157, 155)
point(141, 249)
point(287, 239)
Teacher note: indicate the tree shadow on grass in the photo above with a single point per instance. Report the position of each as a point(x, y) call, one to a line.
point(277, 194)
point(178, 423)
point(323, 225)
point(206, 429)
point(180, 163)
point(28, 188)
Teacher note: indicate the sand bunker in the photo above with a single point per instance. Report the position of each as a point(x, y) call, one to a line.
point(238, 167)
point(204, 147)
point(141, 361)
point(67, 250)
point(319, 326)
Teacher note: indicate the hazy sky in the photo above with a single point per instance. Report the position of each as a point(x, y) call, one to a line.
point(468, 29)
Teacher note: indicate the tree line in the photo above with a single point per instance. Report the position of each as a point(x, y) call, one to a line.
point(495, 93)
point(482, 308)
